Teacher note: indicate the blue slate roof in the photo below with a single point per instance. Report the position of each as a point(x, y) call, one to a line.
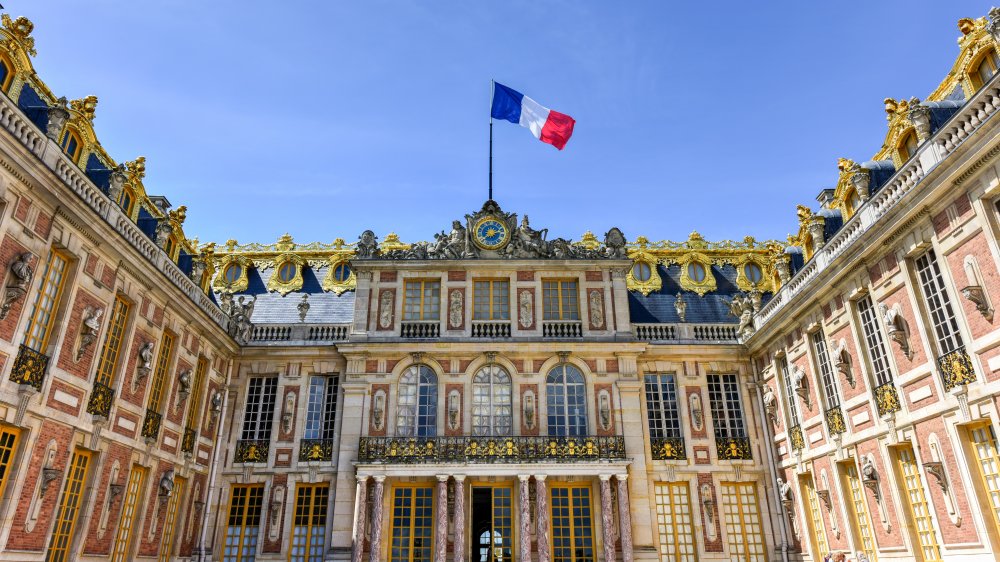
point(272, 308)
point(712, 308)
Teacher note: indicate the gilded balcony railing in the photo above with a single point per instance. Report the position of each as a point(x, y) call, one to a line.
point(311, 450)
point(795, 438)
point(887, 399)
point(101, 399)
point(835, 422)
point(252, 450)
point(468, 449)
point(29, 367)
point(187, 442)
point(667, 448)
point(151, 425)
point(733, 448)
point(956, 369)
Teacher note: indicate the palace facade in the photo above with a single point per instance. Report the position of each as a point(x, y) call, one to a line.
point(497, 394)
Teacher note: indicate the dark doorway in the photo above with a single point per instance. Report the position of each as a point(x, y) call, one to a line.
point(491, 524)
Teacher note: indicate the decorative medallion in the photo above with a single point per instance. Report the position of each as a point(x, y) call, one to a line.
point(490, 233)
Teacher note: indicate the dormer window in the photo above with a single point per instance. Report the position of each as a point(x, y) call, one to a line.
point(696, 272)
point(753, 273)
point(908, 146)
point(6, 74)
point(985, 69)
point(642, 271)
point(71, 144)
point(286, 272)
point(127, 201)
point(233, 272)
point(342, 272)
point(852, 202)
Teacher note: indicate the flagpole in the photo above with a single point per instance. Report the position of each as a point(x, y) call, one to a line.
point(492, 89)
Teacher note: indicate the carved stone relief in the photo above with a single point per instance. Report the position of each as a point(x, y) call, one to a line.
point(385, 310)
point(525, 309)
point(455, 308)
point(596, 299)
point(21, 274)
point(89, 329)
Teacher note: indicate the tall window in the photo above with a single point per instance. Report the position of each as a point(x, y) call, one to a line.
point(908, 146)
point(874, 342)
point(984, 444)
point(985, 69)
point(423, 300)
point(44, 308)
point(743, 527)
point(322, 415)
point(572, 524)
point(160, 374)
point(820, 545)
point(491, 402)
point(830, 393)
point(416, 412)
point(786, 379)
point(674, 521)
point(71, 144)
point(560, 300)
point(6, 74)
point(259, 415)
point(727, 411)
point(243, 525)
point(491, 300)
point(126, 522)
point(194, 412)
point(412, 524)
point(566, 401)
point(309, 525)
point(860, 520)
point(938, 303)
point(69, 508)
point(661, 406)
point(8, 446)
point(920, 509)
point(113, 343)
point(127, 201)
point(170, 523)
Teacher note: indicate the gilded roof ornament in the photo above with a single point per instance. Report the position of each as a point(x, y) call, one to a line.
point(179, 215)
point(137, 167)
point(589, 241)
point(285, 243)
point(392, 242)
point(20, 30)
point(86, 106)
point(966, 25)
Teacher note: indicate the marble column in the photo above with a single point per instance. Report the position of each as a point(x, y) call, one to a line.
point(360, 518)
point(441, 523)
point(459, 554)
point(524, 517)
point(542, 517)
point(607, 518)
point(624, 517)
point(376, 540)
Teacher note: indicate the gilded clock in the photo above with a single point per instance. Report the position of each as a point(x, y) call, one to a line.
point(491, 233)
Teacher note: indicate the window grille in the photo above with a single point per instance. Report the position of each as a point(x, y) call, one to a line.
point(491, 402)
point(322, 413)
point(566, 401)
point(259, 414)
point(938, 304)
point(874, 342)
point(661, 406)
point(727, 411)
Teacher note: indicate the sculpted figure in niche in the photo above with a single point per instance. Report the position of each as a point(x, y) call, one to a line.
point(167, 482)
point(21, 273)
point(784, 490)
point(91, 327)
point(770, 404)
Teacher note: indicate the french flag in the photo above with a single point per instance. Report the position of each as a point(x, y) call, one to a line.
point(548, 126)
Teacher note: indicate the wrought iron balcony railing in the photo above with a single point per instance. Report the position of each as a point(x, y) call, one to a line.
point(252, 450)
point(795, 438)
point(101, 399)
point(187, 442)
point(311, 450)
point(151, 425)
point(667, 448)
point(733, 448)
point(887, 399)
point(29, 367)
point(468, 449)
point(956, 369)
point(835, 422)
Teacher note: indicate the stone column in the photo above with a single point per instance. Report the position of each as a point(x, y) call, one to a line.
point(459, 554)
point(441, 520)
point(624, 518)
point(607, 518)
point(542, 518)
point(376, 541)
point(360, 518)
point(525, 516)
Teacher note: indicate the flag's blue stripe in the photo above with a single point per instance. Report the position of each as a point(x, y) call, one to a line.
point(506, 103)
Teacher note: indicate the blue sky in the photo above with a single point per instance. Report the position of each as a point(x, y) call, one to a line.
point(322, 119)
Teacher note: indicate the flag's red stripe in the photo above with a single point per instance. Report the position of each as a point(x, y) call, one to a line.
point(557, 129)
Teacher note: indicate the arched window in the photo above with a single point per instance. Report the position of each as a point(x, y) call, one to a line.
point(416, 412)
point(6, 73)
point(127, 201)
point(491, 409)
point(908, 146)
point(71, 144)
point(984, 69)
point(566, 401)
point(852, 202)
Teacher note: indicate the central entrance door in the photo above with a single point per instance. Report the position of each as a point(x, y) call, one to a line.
point(492, 524)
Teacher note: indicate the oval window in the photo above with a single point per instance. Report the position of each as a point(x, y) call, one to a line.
point(753, 273)
point(342, 272)
point(641, 271)
point(233, 272)
point(696, 272)
point(286, 272)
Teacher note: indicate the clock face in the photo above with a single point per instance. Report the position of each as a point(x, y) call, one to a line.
point(491, 234)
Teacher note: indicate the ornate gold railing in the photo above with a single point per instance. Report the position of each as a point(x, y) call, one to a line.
point(151, 425)
point(187, 442)
point(667, 448)
point(956, 369)
point(887, 399)
point(29, 367)
point(252, 450)
point(835, 422)
point(414, 450)
point(101, 399)
point(311, 450)
point(733, 448)
point(795, 438)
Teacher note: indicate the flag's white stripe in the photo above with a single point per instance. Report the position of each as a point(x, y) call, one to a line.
point(533, 116)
